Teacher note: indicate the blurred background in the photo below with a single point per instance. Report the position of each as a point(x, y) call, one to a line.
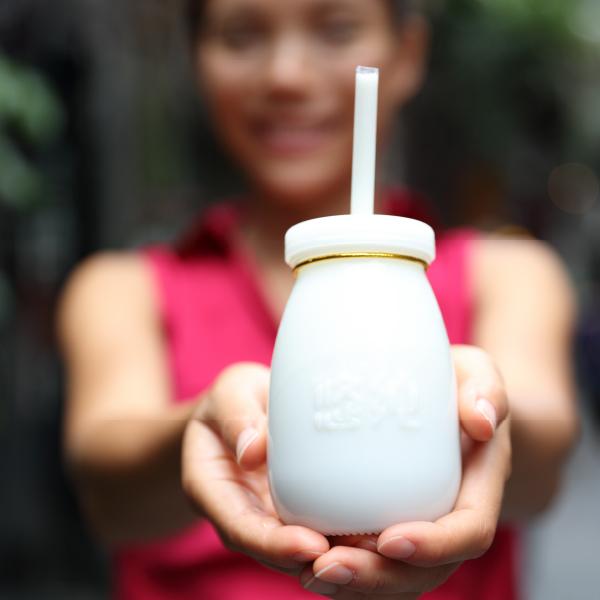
point(104, 144)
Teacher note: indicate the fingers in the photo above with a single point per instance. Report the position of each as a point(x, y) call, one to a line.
point(366, 542)
point(430, 552)
point(482, 401)
point(469, 530)
point(229, 429)
point(211, 480)
point(236, 410)
point(343, 570)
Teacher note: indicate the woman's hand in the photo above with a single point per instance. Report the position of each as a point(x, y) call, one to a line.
point(224, 475)
point(224, 472)
point(408, 559)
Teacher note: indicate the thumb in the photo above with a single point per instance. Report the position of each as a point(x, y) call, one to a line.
point(236, 410)
point(482, 400)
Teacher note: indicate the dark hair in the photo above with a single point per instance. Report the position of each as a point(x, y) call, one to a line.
point(193, 13)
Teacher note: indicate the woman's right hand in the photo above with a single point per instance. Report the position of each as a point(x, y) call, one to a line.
point(224, 472)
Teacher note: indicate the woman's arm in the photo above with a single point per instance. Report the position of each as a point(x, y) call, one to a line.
point(122, 435)
point(525, 318)
point(140, 463)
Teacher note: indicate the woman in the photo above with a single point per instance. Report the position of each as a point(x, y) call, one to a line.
point(168, 349)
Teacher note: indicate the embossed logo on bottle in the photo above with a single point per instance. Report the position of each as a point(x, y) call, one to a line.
point(349, 401)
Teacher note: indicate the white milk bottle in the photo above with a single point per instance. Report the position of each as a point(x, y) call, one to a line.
point(362, 416)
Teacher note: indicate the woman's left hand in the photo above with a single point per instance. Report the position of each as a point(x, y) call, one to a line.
point(412, 558)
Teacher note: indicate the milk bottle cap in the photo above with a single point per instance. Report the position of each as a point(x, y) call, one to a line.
point(351, 234)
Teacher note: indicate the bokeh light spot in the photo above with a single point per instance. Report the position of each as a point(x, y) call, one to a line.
point(585, 21)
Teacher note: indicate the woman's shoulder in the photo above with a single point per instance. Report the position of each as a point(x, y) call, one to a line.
point(516, 255)
point(106, 273)
point(105, 290)
point(519, 267)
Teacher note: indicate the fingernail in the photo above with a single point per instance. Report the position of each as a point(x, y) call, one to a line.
point(321, 587)
point(367, 545)
point(307, 555)
point(335, 573)
point(486, 408)
point(244, 440)
point(397, 547)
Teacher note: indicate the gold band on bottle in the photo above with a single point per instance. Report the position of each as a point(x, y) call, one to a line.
point(309, 261)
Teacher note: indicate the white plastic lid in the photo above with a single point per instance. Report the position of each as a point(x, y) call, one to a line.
point(359, 233)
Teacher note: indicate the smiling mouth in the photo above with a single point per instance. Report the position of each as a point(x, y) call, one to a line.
point(292, 140)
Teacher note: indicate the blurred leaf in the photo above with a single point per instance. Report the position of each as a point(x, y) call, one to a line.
point(28, 103)
point(31, 117)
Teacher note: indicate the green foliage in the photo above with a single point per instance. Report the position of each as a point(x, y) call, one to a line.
point(504, 58)
point(31, 117)
point(513, 90)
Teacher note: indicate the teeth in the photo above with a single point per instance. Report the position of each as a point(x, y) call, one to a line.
point(300, 139)
point(293, 137)
point(291, 130)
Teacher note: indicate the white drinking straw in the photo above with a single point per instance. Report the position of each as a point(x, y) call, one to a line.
point(365, 137)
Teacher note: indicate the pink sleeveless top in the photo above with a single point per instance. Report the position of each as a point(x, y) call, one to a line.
point(215, 314)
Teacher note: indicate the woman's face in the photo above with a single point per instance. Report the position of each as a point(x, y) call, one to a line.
point(278, 76)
